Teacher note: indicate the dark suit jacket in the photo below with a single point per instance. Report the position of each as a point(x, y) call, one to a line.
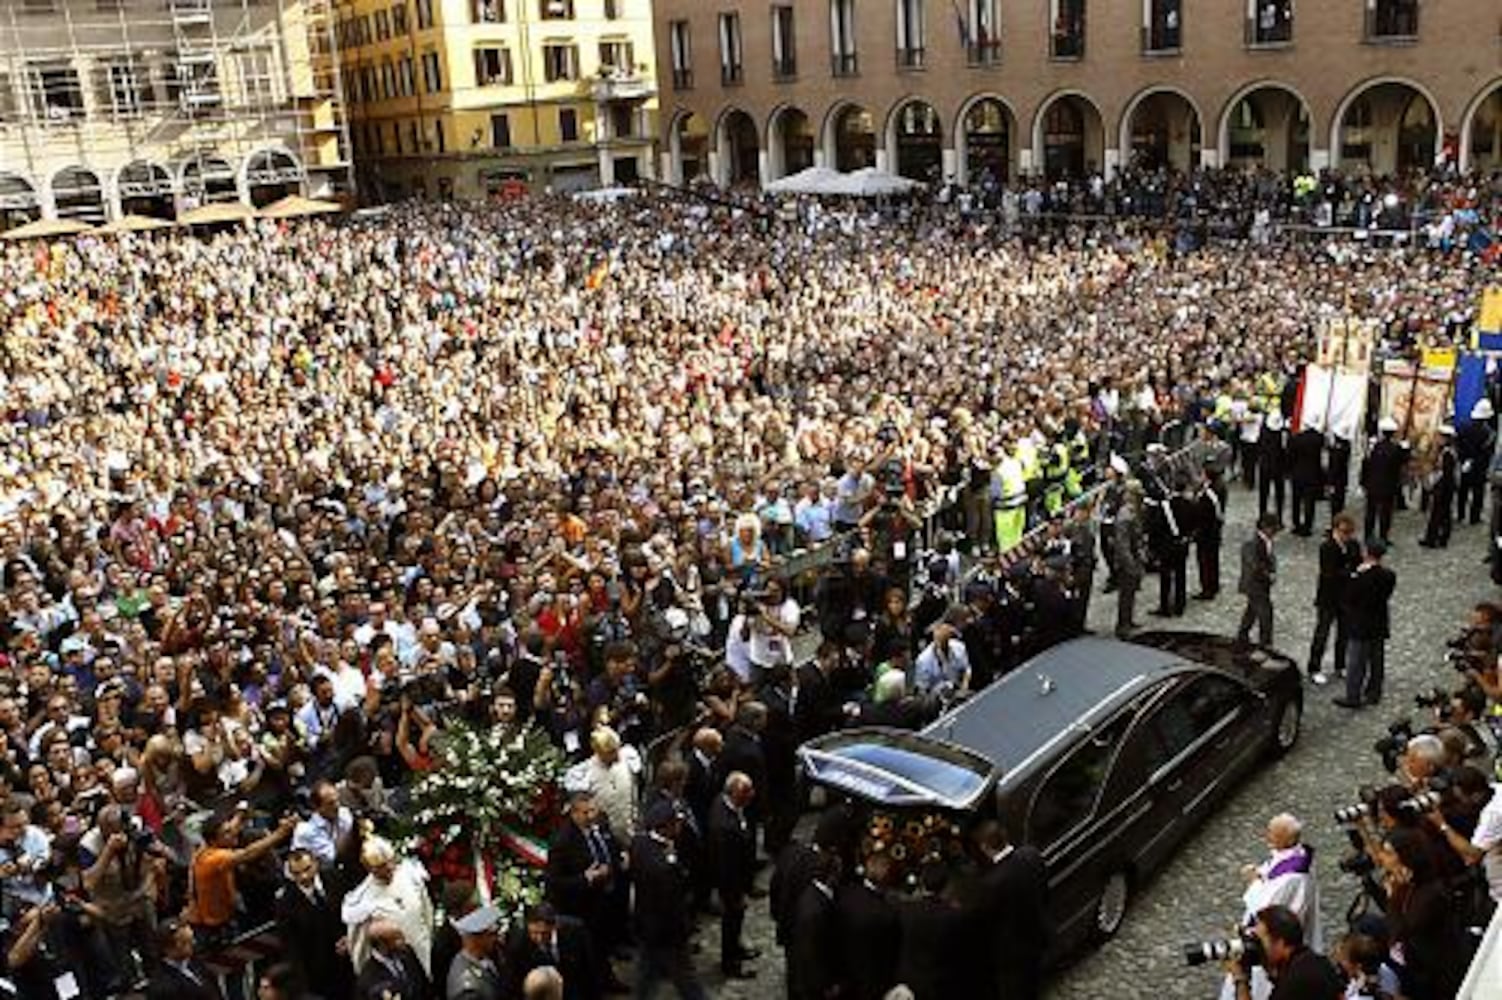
point(1258, 566)
point(375, 981)
point(927, 960)
point(813, 965)
point(732, 850)
point(1009, 913)
point(1306, 452)
point(818, 708)
point(575, 960)
point(870, 939)
point(663, 919)
point(1272, 452)
point(742, 751)
point(1336, 564)
point(309, 934)
point(1366, 602)
point(793, 872)
point(169, 984)
point(569, 858)
point(699, 791)
point(1382, 472)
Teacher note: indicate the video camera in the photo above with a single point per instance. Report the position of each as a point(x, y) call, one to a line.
point(1245, 949)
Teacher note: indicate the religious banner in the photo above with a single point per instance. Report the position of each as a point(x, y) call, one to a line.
point(1417, 398)
point(1491, 311)
point(1346, 343)
point(1332, 401)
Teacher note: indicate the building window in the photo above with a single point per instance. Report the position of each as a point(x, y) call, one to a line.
point(618, 56)
point(382, 25)
point(1162, 31)
point(109, 6)
point(388, 80)
point(1392, 19)
point(500, 131)
point(56, 95)
point(1068, 29)
point(681, 51)
point(380, 142)
point(622, 121)
point(399, 19)
point(439, 134)
point(396, 136)
point(198, 84)
point(424, 14)
point(432, 72)
point(982, 34)
point(568, 124)
point(129, 88)
point(560, 61)
point(732, 52)
point(489, 11)
point(612, 10)
point(414, 142)
point(406, 77)
point(256, 77)
point(39, 7)
point(784, 43)
point(909, 34)
point(556, 10)
point(493, 67)
point(842, 56)
point(366, 35)
point(1269, 22)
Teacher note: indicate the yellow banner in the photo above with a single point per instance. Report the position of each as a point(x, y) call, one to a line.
point(1439, 357)
point(1491, 311)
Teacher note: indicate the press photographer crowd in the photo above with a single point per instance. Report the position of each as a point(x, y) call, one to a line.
point(433, 606)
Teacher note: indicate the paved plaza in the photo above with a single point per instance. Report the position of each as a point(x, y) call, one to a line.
point(1198, 894)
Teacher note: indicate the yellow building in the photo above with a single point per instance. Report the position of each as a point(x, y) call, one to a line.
point(456, 98)
point(154, 106)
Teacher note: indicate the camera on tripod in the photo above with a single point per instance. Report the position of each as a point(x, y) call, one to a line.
point(1245, 949)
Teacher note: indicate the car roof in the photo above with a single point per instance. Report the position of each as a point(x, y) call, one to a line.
point(995, 734)
point(1063, 687)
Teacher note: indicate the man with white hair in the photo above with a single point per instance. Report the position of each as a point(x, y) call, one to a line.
point(1286, 878)
point(394, 891)
point(610, 776)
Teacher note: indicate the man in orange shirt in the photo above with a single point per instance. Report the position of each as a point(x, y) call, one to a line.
point(214, 896)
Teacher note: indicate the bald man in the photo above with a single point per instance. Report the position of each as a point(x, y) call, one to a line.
point(393, 971)
point(732, 853)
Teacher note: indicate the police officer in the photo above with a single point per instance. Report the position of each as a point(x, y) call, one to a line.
point(1475, 445)
point(1338, 470)
point(1110, 504)
point(663, 921)
point(474, 974)
point(1272, 462)
point(1209, 529)
point(1168, 538)
point(1382, 479)
point(1442, 488)
point(1306, 473)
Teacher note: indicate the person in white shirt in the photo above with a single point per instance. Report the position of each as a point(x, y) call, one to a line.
point(394, 891)
point(325, 833)
point(944, 665)
point(610, 775)
point(1484, 846)
point(738, 648)
point(773, 628)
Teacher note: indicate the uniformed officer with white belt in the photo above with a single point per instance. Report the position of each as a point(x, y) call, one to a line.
point(474, 974)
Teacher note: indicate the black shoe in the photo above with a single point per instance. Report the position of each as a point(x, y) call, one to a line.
point(749, 954)
point(1343, 703)
point(1424, 543)
point(1109, 588)
point(1204, 597)
point(757, 893)
point(736, 972)
point(1161, 613)
point(1374, 699)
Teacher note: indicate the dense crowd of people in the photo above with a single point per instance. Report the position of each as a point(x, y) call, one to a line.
point(278, 504)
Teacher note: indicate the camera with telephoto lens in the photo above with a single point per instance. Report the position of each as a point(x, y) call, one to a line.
point(1245, 949)
point(1436, 699)
point(1391, 746)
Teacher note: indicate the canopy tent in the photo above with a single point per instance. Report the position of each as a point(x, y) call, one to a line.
point(134, 224)
point(295, 206)
point(223, 211)
point(867, 182)
point(43, 229)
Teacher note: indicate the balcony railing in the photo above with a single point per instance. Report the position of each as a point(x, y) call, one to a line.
point(910, 57)
point(683, 79)
point(619, 83)
point(1260, 33)
point(1392, 22)
point(732, 76)
point(844, 64)
point(986, 53)
point(785, 68)
point(1069, 43)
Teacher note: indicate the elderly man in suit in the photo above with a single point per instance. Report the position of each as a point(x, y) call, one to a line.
point(393, 970)
point(1259, 568)
point(308, 924)
point(732, 851)
point(585, 879)
point(181, 976)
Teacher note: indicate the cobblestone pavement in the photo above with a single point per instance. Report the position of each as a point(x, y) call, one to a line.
point(1199, 893)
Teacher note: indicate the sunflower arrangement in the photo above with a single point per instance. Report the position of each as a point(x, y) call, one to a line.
point(911, 842)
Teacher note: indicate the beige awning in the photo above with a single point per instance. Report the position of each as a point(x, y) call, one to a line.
point(43, 229)
point(224, 211)
point(134, 224)
point(295, 206)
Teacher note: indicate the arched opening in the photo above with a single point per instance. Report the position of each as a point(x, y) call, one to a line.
point(790, 142)
point(146, 189)
point(271, 174)
point(18, 202)
point(688, 144)
point(739, 149)
point(918, 141)
point(1388, 127)
point(985, 139)
point(1485, 133)
point(208, 179)
point(1072, 136)
point(1266, 128)
point(853, 133)
point(1162, 130)
point(77, 194)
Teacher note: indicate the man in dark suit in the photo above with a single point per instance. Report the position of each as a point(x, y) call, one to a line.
point(701, 785)
point(393, 971)
point(181, 976)
point(929, 963)
point(1272, 463)
point(1339, 555)
point(814, 971)
point(1306, 473)
point(584, 878)
point(547, 938)
point(1209, 529)
point(1382, 479)
point(743, 751)
point(1338, 471)
point(732, 851)
point(779, 744)
point(1443, 484)
point(1368, 625)
point(818, 706)
point(1009, 894)
point(870, 934)
point(1259, 568)
point(310, 929)
point(663, 921)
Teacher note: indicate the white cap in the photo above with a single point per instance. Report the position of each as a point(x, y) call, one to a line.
point(1120, 465)
point(1482, 410)
point(1447, 430)
point(1275, 421)
point(1156, 448)
point(1387, 425)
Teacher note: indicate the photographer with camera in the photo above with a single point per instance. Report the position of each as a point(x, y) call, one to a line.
point(1419, 917)
point(1296, 971)
point(1479, 806)
point(128, 870)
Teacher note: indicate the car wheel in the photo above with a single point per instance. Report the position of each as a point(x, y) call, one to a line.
point(1111, 908)
point(1289, 723)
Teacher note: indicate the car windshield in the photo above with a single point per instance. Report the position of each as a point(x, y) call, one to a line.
point(880, 770)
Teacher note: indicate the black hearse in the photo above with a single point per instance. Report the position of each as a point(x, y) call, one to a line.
point(1102, 754)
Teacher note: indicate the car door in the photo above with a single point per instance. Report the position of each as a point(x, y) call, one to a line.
point(1194, 742)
